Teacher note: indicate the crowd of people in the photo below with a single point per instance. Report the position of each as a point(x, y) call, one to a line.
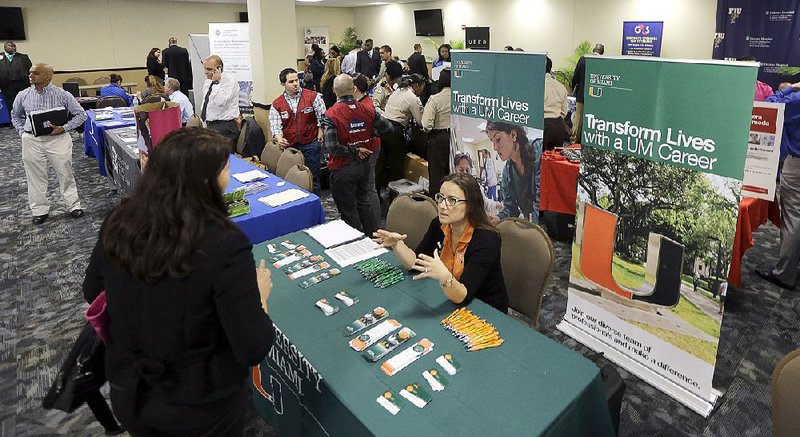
point(359, 113)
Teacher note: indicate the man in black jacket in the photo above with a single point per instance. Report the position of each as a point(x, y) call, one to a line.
point(368, 61)
point(416, 62)
point(578, 81)
point(14, 69)
point(176, 59)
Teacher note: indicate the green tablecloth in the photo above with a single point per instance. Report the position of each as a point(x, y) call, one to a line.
point(530, 385)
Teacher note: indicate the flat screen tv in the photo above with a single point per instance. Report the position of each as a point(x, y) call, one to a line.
point(428, 22)
point(11, 24)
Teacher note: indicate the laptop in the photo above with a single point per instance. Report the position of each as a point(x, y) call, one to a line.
point(72, 88)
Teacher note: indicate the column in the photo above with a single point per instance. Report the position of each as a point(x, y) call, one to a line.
point(273, 44)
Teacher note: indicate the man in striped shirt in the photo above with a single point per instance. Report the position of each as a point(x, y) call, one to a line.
point(55, 148)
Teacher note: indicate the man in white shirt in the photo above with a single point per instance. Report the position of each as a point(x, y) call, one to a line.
point(349, 62)
point(172, 87)
point(220, 100)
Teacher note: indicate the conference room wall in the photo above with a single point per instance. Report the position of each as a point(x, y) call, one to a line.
point(553, 26)
point(107, 34)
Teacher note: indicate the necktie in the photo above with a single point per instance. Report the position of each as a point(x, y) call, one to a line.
point(205, 102)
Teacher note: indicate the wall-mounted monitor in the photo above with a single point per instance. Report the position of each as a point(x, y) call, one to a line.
point(11, 24)
point(428, 22)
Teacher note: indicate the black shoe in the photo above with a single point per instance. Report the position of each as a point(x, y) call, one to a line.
point(75, 213)
point(39, 219)
point(115, 431)
point(769, 277)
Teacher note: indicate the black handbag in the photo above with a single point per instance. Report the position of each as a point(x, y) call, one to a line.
point(82, 373)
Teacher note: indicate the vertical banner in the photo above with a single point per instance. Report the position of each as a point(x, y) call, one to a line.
point(642, 38)
point(658, 197)
point(763, 151)
point(231, 41)
point(477, 38)
point(315, 35)
point(766, 30)
point(496, 118)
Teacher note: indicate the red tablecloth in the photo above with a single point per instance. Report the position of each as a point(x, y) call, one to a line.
point(752, 214)
point(558, 193)
point(558, 183)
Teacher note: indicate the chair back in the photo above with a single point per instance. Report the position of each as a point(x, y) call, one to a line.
point(786, 396)
point(194, 121)
point(527, 258)
point(241, 140)
point(270, 156)
point(261, 115)
point(154, 98)
point(301, 176)
point(411, 214)
point(289, 158)
point(72, 88)
point(80, 81)
point(102, 80)
point(113, 101)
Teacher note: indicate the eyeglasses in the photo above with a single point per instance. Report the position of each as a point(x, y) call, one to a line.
point(450, 201)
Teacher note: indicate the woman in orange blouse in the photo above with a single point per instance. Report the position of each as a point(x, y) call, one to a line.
point(461, 249)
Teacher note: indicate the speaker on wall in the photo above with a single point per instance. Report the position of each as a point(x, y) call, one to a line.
point(243, 17)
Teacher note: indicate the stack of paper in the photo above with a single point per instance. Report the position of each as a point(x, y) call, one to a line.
point(334, 233)
point(250, 176)
point(354, 252)
point(283, 197)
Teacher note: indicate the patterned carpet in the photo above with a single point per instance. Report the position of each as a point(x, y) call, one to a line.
point(40, 299)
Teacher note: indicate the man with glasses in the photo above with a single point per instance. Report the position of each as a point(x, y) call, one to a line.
point(220, 108)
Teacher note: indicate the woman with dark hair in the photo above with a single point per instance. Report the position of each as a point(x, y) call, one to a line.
point(187, 306)
point(436, 122)
point(443, 55)
point(520, 181)
point(316, 66)
point(461, 249)
point(332, 69)
point(154, 65)
point(154, 87)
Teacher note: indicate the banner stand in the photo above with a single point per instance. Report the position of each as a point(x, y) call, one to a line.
point(697, 404)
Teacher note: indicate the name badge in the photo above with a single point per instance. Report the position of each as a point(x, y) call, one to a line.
point(284, 114)
point(307, 110)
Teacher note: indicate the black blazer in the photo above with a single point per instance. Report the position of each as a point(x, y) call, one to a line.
point(417, 64)
point(17, 69)
point(366, 66)
point(483, 274)
point(155, 68)
point(186, 340)
point(578, 79)
point(176, 59)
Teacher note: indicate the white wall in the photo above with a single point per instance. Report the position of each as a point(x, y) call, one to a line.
point(98, 34)
point(553, 26)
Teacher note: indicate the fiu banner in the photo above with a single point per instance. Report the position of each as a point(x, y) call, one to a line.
point(497, 119)
point(767, 30)
point(658, 197)
point(642, 38)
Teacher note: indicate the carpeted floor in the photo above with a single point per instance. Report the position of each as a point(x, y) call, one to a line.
point(41, 304)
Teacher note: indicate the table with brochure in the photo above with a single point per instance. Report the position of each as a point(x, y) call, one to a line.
point(98, 121)
point(327, 374)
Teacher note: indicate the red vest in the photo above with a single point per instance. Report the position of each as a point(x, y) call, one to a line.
point(300, 128)
point(354, 128)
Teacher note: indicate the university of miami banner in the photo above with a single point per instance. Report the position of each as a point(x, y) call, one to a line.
point(658, 199)
point(487, 92)
point(767, 30)
point(231, 41)
point(642, 38)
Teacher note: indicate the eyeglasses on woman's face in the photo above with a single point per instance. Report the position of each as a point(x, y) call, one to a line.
point(450, 201)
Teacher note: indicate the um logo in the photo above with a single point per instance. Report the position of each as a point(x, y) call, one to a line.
point(595, 91)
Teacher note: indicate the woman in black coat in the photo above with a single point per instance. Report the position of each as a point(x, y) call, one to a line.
point(154, 65)
point(188, 307)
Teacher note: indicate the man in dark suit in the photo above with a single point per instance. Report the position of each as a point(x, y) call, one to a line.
point(416, 62)
point(14, 68)
point(368, 61)
point(176, 59)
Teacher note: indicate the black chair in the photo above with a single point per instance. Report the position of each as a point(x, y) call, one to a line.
point(72, 88)
point(113, 101)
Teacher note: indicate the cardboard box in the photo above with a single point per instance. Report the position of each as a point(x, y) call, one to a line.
point(415, 167)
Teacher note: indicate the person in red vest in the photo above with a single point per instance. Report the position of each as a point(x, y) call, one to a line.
point(294, 118)
point(349, 127)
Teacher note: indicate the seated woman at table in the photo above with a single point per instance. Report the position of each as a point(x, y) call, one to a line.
point(520, 181)
point(187, 305)
point(114, 89)
point(460, 250)
point(154, 87)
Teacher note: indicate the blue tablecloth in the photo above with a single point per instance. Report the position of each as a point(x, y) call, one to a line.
point(5, 111)
point(94, 138)
point(265, 222)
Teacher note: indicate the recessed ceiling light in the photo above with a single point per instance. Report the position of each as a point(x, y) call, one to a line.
point(308, 1)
